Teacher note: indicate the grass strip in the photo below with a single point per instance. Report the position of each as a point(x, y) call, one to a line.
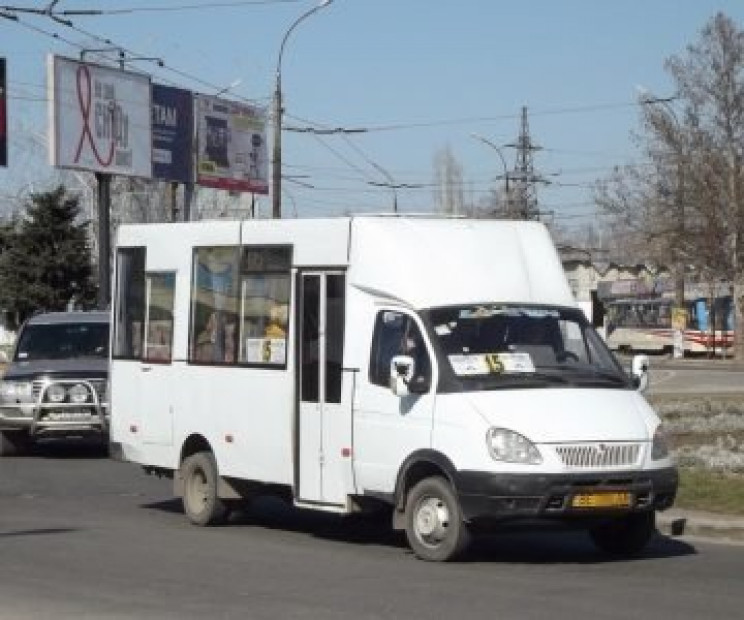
point(712, 491)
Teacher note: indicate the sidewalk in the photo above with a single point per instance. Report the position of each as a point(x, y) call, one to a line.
point(701, 524)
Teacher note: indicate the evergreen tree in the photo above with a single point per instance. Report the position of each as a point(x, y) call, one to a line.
point(46, 261)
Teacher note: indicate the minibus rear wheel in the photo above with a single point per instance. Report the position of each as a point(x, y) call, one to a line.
point(200, 478)
point(625, 535)
point(434, 525)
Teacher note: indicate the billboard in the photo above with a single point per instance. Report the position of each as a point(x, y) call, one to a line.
point(3, 116)
point(172, 134)
point(100, 118)
point(231, 145)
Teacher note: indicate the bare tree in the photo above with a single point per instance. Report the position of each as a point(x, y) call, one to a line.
point(687, 205)
point(448, 183)
point(636, 214)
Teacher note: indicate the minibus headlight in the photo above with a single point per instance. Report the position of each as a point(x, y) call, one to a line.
point(660, 447)
point(506, 445)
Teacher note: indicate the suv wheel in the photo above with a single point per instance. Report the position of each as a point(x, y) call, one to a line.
point(14, 443)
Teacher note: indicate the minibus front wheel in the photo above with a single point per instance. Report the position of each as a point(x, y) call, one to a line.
point(201, 501)
point(434, 524)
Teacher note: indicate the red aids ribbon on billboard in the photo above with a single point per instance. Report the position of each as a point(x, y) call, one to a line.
point(101, 118)
point(84, 94)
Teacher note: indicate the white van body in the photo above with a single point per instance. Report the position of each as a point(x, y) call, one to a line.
point(315, 408)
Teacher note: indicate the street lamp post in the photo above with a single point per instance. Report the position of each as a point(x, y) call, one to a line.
point(390, 183)
point(276, 172)
point(679, 281)
point(496, 148)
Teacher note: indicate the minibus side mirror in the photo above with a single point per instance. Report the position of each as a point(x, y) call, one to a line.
point(639, 372)
point(402, 369)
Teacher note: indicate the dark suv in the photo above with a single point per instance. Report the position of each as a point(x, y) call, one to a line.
point(56, 382)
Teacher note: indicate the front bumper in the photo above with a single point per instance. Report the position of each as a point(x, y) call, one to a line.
point(52, 423)
point(503, 497)
point(41, 417)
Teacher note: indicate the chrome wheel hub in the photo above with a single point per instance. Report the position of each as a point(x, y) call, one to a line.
point(431, 521)
point(197, 490)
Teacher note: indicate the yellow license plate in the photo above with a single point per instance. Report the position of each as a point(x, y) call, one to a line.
point(601, 500)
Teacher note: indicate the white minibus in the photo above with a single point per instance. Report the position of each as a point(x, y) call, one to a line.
point(437, 367)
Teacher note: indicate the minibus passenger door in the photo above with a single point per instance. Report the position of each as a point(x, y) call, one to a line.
point(324, 428)
point(157, 406)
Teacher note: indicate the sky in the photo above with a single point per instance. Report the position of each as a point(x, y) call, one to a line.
point(419, 75)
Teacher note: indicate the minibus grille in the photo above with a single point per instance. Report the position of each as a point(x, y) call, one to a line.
point(596, 455)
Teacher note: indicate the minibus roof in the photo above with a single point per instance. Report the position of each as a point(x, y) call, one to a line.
point(419, 261)
point(437, 262)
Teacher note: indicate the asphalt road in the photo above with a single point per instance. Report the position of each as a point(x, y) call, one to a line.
point(695, 380)
point(85, 537)
point(692, 375)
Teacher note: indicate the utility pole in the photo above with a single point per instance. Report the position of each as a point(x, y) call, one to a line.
point(525, 180)
point(276, 160)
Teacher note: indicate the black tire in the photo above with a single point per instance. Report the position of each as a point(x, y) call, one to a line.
point(14, 443)
point(626, 535)
point(200, 478)
point(435, 528)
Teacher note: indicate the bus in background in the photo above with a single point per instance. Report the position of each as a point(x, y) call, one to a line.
point(646, 325)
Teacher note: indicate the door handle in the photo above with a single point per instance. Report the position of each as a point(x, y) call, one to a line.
point(146, 368)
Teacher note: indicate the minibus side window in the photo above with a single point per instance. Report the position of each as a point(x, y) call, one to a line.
point(214, 302)
point(265, 284)
point(161, 288)
point(335, 314)
point(130, 303)
point(396, 334)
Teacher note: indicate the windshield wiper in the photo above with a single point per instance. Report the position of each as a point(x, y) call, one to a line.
point(541, 378)
point(585, 373)
point(607, 375)
point(590, 374)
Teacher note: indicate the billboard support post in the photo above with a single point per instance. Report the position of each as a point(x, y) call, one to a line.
point(188, 193)
point(104, 251)
point(174, 200)
point(3, 115)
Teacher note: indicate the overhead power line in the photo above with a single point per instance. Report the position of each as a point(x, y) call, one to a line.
point(49, 11)
point(468, 120)
point(133, 56)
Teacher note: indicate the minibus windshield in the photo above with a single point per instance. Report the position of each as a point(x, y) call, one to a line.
point(495, 346)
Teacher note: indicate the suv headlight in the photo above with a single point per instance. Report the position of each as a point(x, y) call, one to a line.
point(79, 393)
point(16, 390)
point(660, 447)
point(511, 447)
point(56, 393)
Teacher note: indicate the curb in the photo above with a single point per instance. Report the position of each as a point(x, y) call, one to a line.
point(720, 528)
